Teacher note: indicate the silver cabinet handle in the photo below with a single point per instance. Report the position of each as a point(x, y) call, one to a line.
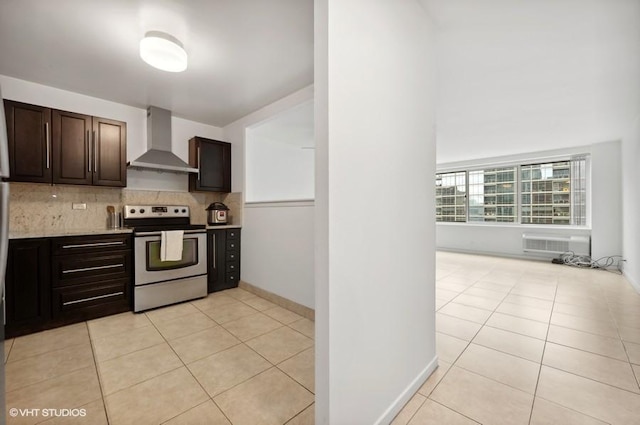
point(88, 152)
point(198, 161)
point(89, 269)
point(84, 245)
point(95, 153)
point(214, 250)
point(47, 136)
point(115, 294)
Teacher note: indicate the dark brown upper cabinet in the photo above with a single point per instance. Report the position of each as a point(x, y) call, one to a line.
point(60, 147)
point(71, 148)
point(29, 131)
point(213, 160)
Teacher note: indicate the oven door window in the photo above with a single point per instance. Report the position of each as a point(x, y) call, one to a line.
point(189, 256)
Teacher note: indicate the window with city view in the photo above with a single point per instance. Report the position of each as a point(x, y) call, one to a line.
point(552, 193)
point(492, 195)
point(451, 197)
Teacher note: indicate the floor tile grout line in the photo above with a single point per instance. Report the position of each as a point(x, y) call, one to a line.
point(190, 373)
point(8, 353)
point(585, 351)
point(448, 408)
point(505, 352)
point(572, 409)
point(273, 366)
point(300, 412)
point(593, 380)
point(95, 365)
point(49, 379)
point(495, 380)
point(492, 379)
point(467, 346)
point(415, 412)
point(624, 346)
point(312, 391)
point(45, 353)
point(453, 363)
point(544, 348)
point(514, 332)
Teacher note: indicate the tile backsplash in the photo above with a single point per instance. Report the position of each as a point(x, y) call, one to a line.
point(35, 207)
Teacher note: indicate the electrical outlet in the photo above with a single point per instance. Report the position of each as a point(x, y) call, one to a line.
point(82, 206)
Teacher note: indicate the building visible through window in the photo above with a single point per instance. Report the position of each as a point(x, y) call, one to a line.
point(451, 197)
point(552, 193)
point(492, 195)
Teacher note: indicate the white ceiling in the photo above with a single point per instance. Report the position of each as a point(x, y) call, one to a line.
point(243, 54)
point(518, 76)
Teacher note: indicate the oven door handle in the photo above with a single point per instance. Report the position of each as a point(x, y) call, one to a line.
point(186, 232)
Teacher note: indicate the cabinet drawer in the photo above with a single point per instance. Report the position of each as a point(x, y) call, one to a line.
point(232, 255)
point(105, 297)
point(233, 266)
point(233, 234)
point(84, 244)
point(76, 269)
point(233, 245)
point(233, 278)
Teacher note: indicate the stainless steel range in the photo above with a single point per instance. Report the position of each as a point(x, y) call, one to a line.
point(157, 282)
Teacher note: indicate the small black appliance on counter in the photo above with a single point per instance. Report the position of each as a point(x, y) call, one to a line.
point(217, 214)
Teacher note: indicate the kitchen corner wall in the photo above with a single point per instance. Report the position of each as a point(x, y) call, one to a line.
point(277, 238)
point(39, 208)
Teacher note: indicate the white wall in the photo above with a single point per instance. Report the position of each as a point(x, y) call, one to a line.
point(278, 250)
point(606, 199)
point(136, 119)
point(631, 204)
point(277, 239)
point(277, 171)
point(375, 334)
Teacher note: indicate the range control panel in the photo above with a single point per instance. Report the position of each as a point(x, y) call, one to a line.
point(155, 211)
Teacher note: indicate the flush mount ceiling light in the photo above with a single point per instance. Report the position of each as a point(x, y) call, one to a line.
point(163, 51)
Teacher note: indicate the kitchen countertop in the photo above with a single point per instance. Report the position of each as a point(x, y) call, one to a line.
point(62, 232)
point(224, 226)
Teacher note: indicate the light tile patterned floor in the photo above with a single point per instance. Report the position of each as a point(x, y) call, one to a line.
point(232, 358)
point(523, 342)
point(519, 342)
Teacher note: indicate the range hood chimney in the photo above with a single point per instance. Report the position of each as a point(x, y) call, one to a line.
point(158, 155)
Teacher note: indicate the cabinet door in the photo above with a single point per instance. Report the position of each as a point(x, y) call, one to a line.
point(29, 133)
point(216, 260)
point(71, 148)
point(213, 159)
point(109, 148)
point(27, 286)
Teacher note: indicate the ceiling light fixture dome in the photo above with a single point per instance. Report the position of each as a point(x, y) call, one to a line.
point(163, 51)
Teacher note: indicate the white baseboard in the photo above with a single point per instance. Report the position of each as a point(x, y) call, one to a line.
point(406, 395)
point(632, 281)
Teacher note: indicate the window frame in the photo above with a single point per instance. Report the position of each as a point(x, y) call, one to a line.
point(517, 164)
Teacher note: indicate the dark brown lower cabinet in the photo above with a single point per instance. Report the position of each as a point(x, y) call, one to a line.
point(91, 277)
point(58, 281)
point(28, 287)
point(224, 259)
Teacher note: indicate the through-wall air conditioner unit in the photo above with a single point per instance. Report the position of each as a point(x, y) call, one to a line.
point(556, 244)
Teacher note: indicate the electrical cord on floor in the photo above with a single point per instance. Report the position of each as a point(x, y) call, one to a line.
point(570, 258)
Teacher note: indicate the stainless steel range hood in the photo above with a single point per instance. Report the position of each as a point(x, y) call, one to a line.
point(159, 156)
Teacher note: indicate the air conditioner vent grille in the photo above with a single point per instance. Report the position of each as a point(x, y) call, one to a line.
point(556, 244)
